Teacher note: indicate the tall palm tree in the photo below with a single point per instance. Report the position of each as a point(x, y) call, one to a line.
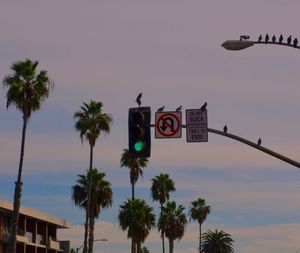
point(91, 121)
point(162, 185)
point(137, 218)
point(27, 89)
point(199, 211)
point(173, 221)
point(101, 197)
point(135, 166)
point(217, 242)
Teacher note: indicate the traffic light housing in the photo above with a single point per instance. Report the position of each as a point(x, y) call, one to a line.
point(139, 123)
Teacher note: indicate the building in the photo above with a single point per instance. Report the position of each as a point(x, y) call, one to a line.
point(37, 231)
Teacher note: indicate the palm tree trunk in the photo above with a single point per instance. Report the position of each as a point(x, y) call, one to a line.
point(91, 233)
point(18, 191)
point(200, 238)
point(138, 247)
point(171, 246)
point(86, 228)
point(88, 205)
point(132, 190)
point(133, 244)
point(163, 232)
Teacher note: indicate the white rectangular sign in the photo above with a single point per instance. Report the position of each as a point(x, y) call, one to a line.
point(196, 125)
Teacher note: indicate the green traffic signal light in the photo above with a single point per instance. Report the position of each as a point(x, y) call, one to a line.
point(139, 146)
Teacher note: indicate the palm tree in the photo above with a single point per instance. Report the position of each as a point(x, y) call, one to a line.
point(27, 89)
point(173, 221)
point(199, 211)
point(217, 242)
point(135, 165)
point(137, 218)
point(101, 197)
point(91, 121)
point(162, 185)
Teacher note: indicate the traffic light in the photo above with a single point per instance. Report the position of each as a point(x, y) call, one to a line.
point(139, 122)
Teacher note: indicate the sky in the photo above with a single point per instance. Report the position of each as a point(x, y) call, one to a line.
point(110, 51)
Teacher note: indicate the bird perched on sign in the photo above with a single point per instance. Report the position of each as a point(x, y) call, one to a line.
point(160, 109)
point(259, 142)
point(274, 39)
point(267, 38)
point(260, 38)
point(203, 107)
point(179, 108)
point(225, 128)
point(289, 39)
point(280, 38)
point(295, 42)
point(138, 99)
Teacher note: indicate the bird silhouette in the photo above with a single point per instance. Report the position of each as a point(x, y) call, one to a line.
point(203, 107)
point(274, 39)
point(138, 99)
point(280, 38)
point(259, 142)
point(244, 37)
point(160, 109)
point(179, 108)
point(289, 39)
point(225, 128)
point(295, 42)
point(260, 38)
point(267, 38)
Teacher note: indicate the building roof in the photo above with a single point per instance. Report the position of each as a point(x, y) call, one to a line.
point(7, 206)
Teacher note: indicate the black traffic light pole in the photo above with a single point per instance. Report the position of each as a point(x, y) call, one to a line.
point(255, 145)
point(252, 144)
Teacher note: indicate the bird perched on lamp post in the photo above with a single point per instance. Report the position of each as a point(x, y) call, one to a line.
point(260, 38)
point(295, 42)
point(289, 39)
point(225, 128)
point(280, 38)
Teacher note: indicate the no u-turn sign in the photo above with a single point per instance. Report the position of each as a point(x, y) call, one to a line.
point(168, 125)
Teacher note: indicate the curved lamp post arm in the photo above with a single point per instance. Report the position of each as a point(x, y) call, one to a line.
point(235, 45)
point(254, 145)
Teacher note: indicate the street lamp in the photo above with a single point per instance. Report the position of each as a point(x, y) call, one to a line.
point(243, 42)
point(96, 240)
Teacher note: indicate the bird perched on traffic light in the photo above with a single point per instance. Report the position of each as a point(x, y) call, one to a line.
point(274, 39)
point(203, 107)
point(280, 38)
point(179, 108)
point(260, 38)
point(267, 38)
point(259, 142)
point(295, 42)
point(138, 99)
point(225, 128)
point(289, 39)
point(160, 109)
